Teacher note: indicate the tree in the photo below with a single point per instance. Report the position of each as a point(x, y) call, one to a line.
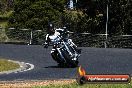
point(6, 5)
point(120, 19)
point(87, 6)
point(35, 15)
point(119, 14)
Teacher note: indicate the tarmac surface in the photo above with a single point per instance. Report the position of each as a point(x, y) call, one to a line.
point(93, 60)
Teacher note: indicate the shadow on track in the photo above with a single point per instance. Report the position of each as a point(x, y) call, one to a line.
point(59, 67)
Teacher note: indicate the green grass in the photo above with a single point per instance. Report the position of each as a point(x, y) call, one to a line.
point(6, 65)
point(75, 85)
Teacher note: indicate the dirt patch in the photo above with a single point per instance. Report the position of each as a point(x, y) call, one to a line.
point(30, 84)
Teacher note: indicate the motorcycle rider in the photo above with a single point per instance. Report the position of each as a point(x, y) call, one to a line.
point(55, 36)
point(52, 35)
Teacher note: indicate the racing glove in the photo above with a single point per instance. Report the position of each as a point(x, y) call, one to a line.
point(45, 45)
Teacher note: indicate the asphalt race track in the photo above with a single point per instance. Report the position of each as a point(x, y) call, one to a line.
point(94, 61)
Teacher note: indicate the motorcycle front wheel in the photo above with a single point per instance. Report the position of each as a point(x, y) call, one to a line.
point(56, 57)
point(69, 61)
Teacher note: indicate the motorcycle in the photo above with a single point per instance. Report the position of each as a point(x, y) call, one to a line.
point(64, 51)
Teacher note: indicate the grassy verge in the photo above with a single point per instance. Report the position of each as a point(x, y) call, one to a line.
point(7, 65)
point(75, 85)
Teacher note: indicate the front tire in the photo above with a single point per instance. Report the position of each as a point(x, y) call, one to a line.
point(70, 62)
point(56, 57)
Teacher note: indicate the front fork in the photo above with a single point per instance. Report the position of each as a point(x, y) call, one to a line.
point(60, 53)
point(67, 49)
